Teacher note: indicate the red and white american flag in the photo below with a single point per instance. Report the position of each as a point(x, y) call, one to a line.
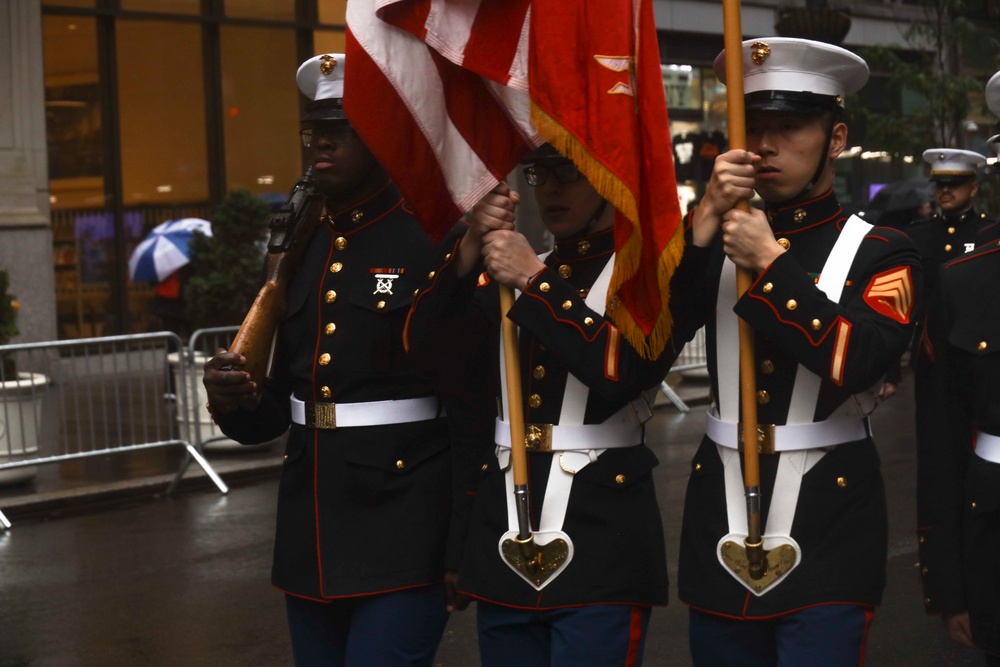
point(450, 94)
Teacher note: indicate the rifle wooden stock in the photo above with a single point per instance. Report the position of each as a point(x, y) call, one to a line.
point(291, 230)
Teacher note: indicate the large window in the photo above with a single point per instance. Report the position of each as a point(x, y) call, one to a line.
point(156, 109)
point(260, 109)
point(161, 106)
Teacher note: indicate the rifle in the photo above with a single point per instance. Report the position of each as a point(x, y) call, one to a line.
point(292, 228)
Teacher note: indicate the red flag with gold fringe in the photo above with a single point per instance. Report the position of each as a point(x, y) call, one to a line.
point(450, 94)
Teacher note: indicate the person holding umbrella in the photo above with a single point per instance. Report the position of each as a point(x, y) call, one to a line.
point(958, 483)
point(371, 501)
point(830, 308)
point(161, 258)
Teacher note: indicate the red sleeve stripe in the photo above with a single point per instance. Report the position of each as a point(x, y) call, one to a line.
point(840, 352)
point(611, 354)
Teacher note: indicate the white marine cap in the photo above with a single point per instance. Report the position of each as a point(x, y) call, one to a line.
point(993, 102)
point(796, 75)
point(321, 79)
point(952, 165)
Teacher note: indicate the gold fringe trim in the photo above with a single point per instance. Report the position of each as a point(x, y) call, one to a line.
point(627, 258)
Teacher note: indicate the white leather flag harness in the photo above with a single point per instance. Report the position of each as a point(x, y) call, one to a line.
point(574, 445)
point(802, 442)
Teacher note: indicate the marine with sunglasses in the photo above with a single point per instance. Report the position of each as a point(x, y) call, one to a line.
point(583, 389)
point(372, 491)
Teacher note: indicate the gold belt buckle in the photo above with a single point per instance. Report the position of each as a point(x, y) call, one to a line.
point(538, 437)
point(765, 438)
point(321, 415)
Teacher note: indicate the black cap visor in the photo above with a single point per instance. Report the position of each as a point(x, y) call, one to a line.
point(543, 152)
point(784, 101)
point(327, 109)
point(952, 179)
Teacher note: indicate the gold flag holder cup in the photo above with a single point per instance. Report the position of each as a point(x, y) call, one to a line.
point(781, 555)
point(540, 558)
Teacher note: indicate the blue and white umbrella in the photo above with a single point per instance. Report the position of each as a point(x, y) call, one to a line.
point(165, 249)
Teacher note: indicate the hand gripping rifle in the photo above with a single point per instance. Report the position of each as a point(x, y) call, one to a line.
point(292, 228)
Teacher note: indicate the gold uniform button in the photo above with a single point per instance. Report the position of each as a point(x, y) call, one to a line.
point(545, 287)
point(486, 466)
point(286, 457)
point(565, 270)
point(842, 482)
point(583, 247)
point(447, 257)
point(927, 602)
point(535, 401)
point(416, 291)
point(380, 305)
point(791, 304)
point(589, 321)
point(816, 324)
point(331, 296)
point(538, 372)
point(567, 305)
point(982, 345)
point(356, 216)
point(973, 505)
point(336, 267)
point(921, 539)
point(400, 464)
point(947, 247)
point(923, 570)
point(784, 243)
point(325, 392)
point(951, 230)
point(431, 275)
point(799, 215)
point(768, 287)
point(329, 329)
point(620, 479)
point(340, 243)
point(324, 359)
point(763, 397)
point(767, 367)
point(697, 467)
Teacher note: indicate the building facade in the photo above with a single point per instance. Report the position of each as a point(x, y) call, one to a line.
point(116, 115)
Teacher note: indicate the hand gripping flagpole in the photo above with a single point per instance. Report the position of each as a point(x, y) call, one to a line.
point(756, 564)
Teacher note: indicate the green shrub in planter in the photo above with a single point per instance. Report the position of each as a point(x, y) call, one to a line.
point(226, 269)
point(8, 326)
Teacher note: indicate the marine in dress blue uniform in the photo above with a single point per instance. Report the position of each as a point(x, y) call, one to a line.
point(958, 490)
point(589, 469)
point(830, 307)
point(370, 499)
point(957, 228)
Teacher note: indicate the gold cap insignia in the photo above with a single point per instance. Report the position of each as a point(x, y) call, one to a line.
point(759, 51)
point(328, 65)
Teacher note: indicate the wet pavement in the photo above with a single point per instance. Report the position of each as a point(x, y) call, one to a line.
point(100, 568)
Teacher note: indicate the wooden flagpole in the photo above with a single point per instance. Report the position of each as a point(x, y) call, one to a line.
point(754, 543)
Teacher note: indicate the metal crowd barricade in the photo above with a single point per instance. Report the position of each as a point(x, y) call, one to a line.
point(201, 346)
point(93, 397)
point(694, 356)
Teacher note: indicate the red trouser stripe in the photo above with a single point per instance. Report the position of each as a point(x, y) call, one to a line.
point(634, 637)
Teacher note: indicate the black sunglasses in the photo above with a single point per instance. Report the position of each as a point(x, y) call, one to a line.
point(564, 171)
point(338, 135)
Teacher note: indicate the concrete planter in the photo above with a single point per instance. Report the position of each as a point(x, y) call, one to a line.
point(21, 405)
